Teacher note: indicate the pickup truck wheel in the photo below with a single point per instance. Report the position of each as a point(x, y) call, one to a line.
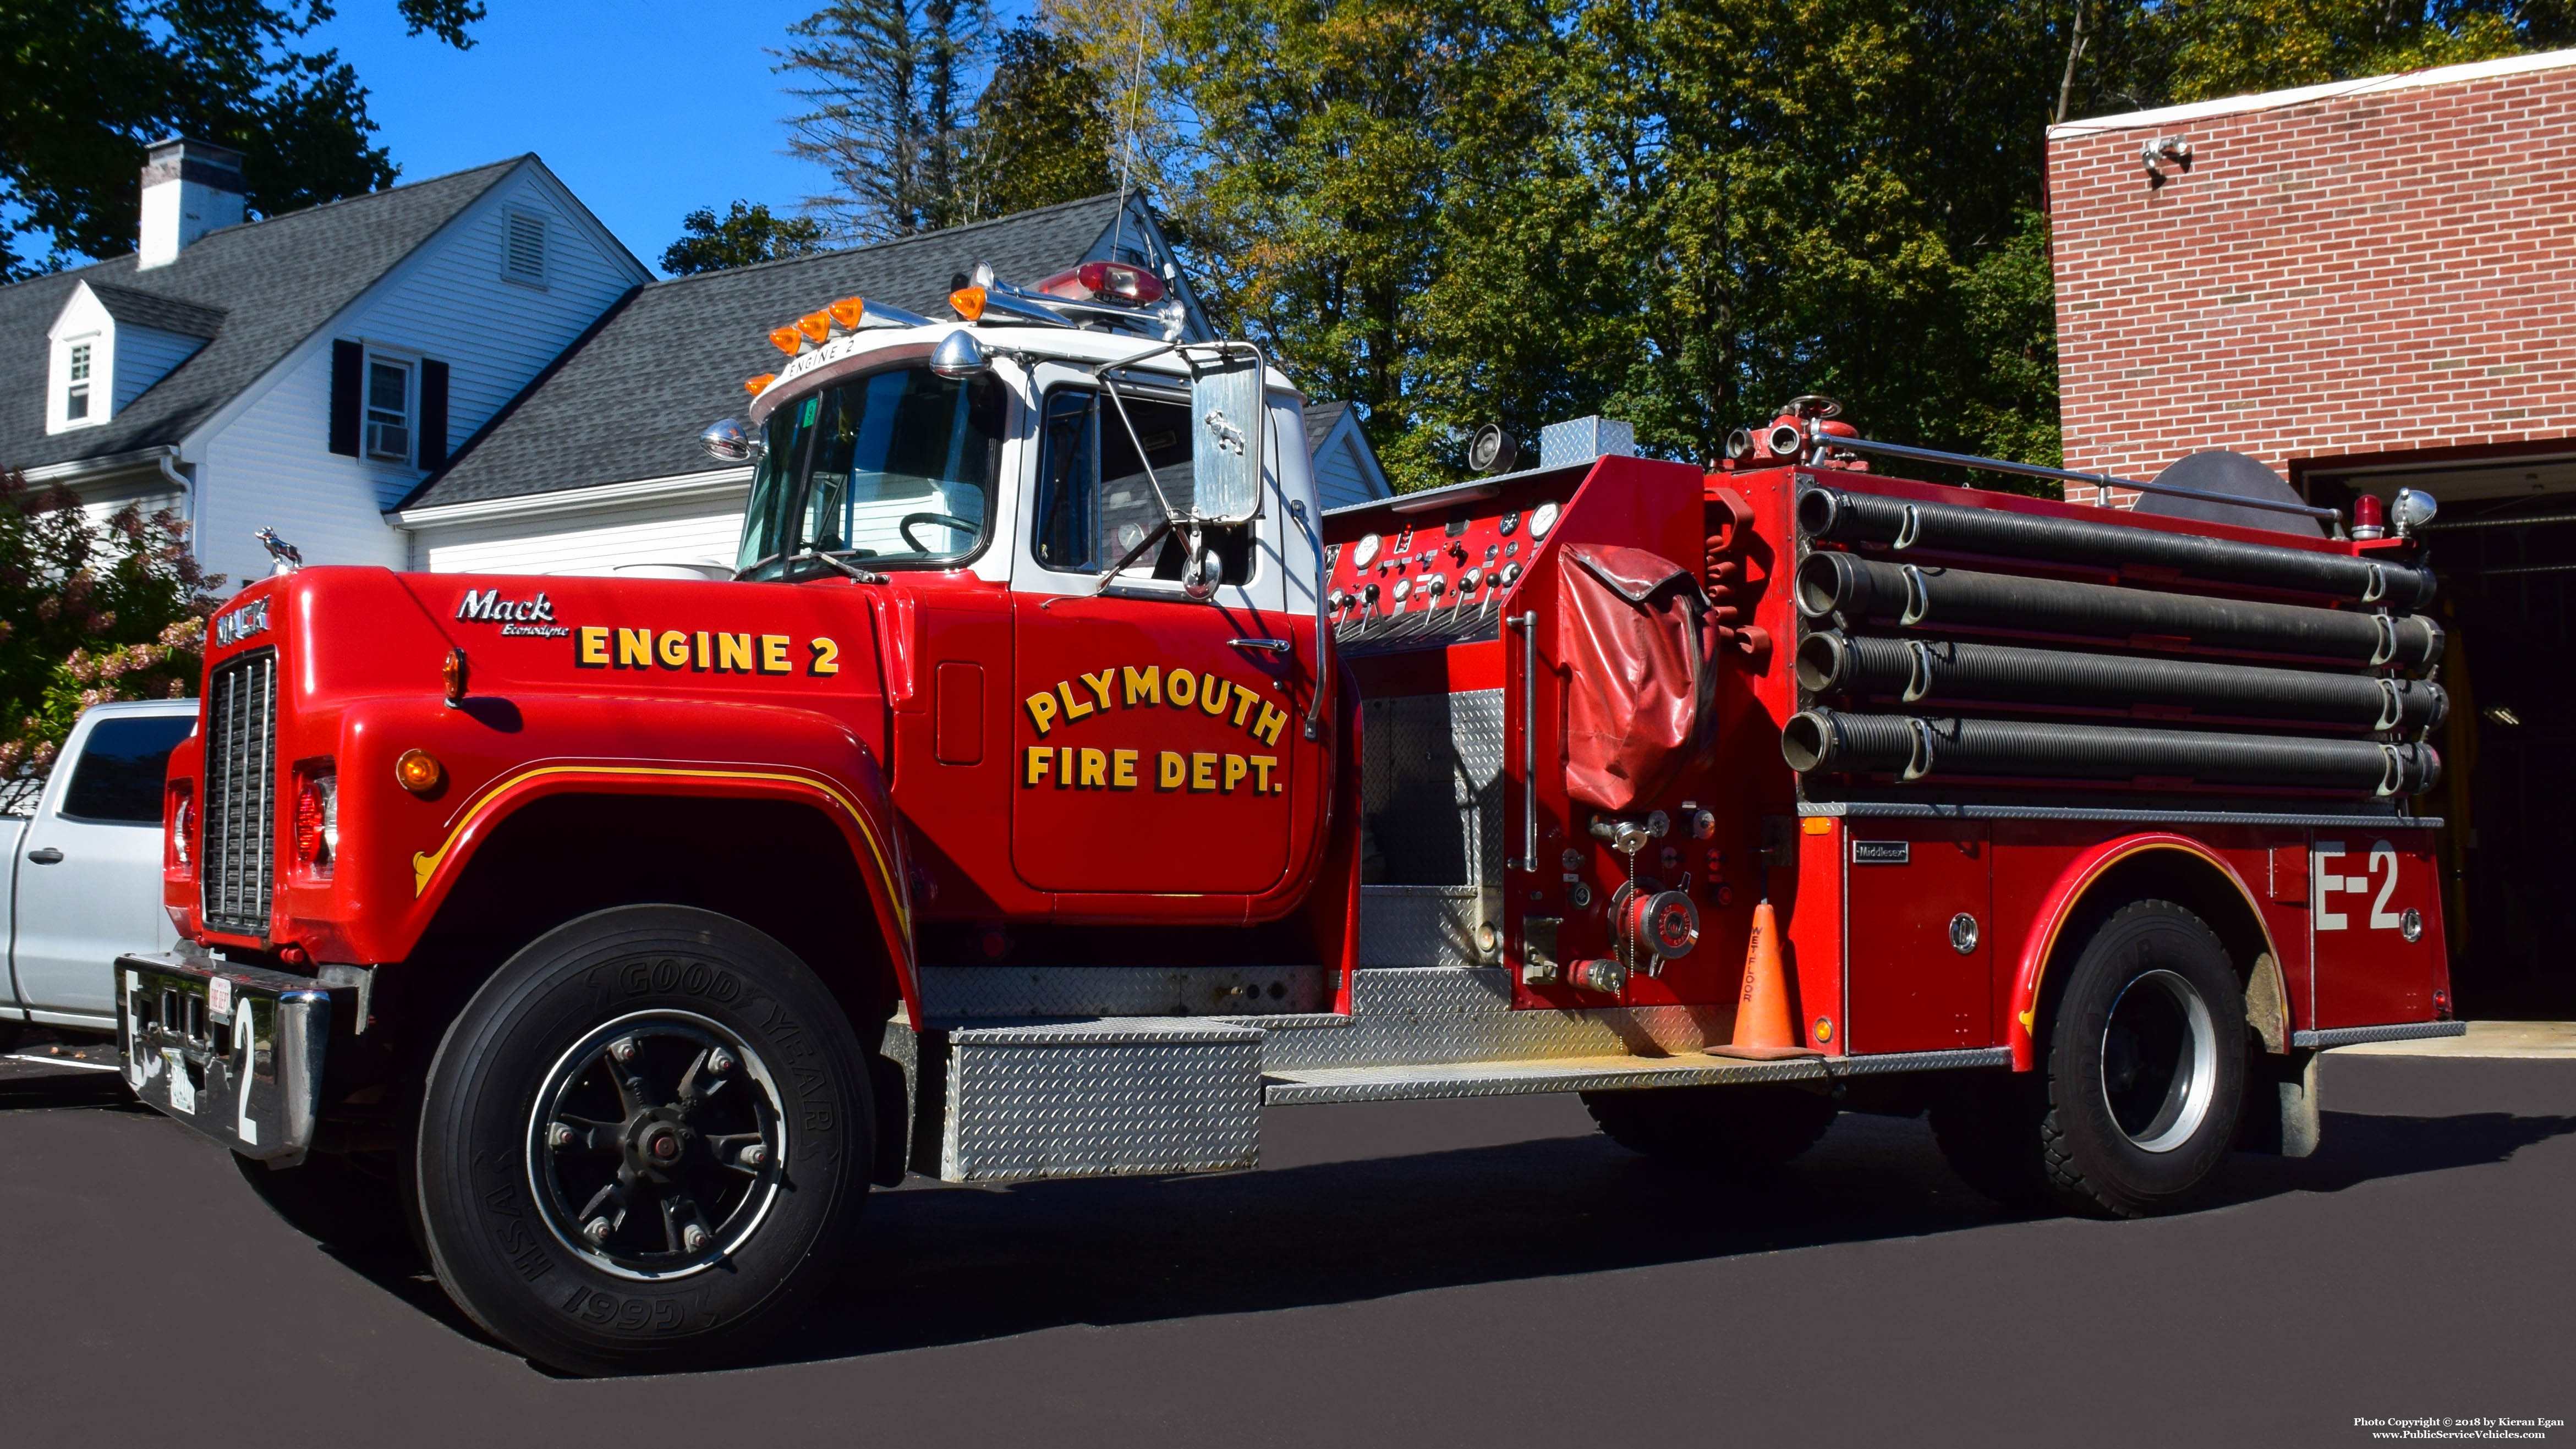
point(1746, 1127)
point(345, 1202)
point(643, 1143)
point(2146, 1065)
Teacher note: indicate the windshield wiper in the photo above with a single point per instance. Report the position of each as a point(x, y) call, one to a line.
point(865, 576)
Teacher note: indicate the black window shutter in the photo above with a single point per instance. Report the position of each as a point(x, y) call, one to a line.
point(348, 385)
point(433, 414)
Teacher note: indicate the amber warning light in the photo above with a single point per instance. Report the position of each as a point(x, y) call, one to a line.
point(968, 303)
point(419, 771)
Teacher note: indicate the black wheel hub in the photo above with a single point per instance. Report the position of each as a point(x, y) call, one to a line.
point(655, 1144)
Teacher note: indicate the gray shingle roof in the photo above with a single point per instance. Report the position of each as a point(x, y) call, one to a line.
point(1321, 419)
point(628, 401)
point(164, 314)
point(270, 284)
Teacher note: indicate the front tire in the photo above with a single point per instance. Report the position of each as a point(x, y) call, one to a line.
point(1746, 1128)
point(643, 1143)
point(2146, 1065)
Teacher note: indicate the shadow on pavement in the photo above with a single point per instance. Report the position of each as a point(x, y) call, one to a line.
point(41, 1089)
point(960, 1265)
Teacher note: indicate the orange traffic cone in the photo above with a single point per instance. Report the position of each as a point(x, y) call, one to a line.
point(1763, 1031)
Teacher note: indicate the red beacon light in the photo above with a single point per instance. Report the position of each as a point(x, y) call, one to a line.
point(1105, 282)
point(2369, 520)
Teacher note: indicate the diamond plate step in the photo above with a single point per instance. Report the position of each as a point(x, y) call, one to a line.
point(1109, 1098)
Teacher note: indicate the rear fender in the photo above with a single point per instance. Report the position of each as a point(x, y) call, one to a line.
point(2068, 897)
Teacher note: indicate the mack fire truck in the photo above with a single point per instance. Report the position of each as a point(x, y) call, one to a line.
point(1056, 790)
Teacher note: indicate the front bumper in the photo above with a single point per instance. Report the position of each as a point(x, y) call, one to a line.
point(233, 1051)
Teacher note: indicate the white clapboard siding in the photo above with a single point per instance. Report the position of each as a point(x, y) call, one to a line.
point(695, 530)
point(273, 467)
point(454, 304)
point(144, 356)
point(1340, 477)
point(271, 464)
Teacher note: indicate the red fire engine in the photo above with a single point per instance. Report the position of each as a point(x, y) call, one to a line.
point(1056, 789)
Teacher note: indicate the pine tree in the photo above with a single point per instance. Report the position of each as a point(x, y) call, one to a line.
point(1042, 131)
point(885, 80)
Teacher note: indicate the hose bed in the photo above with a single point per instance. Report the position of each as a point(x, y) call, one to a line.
point(1847, 517)
point(1858, 589)
point(1831, 741)
point(1831, 662)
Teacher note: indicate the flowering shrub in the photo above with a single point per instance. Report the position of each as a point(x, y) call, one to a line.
point(90, 611)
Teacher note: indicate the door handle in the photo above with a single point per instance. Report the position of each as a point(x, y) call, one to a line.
point(46, 856)
point(1274, 646)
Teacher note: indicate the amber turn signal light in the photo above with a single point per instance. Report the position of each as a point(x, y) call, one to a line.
point(419, 771)
point(968, 302)
point(847, 312)
point(453, 671)
point(753, 385)
point(786, 339)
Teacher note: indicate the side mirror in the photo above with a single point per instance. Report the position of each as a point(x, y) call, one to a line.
point(1225, 460)
point(728, 441)
point(1202, 574)
point(959, 355)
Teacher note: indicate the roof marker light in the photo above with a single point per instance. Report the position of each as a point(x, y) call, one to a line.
point(753, 385)
point(968, 302)
point(817, 326)
point(786, 339)
point(847, 313)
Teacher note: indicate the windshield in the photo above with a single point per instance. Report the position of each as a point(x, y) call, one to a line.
point(896, 467)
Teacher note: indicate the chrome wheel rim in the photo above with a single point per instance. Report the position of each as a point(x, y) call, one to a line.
point(2159, 1061)
point(655, 1144)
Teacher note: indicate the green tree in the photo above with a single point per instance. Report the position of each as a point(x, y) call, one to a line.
point(88, 614)
point(886, 81)
point(1041, 131)
point(745, 234)
point(85, 85)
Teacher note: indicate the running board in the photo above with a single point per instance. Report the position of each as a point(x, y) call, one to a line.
point(1592, 1074)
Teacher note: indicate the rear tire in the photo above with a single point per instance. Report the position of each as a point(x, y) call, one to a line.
point(1747, 1128)
point(643, 1143)
point(2146, 1065)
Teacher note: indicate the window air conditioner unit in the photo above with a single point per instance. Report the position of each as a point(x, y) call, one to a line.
point(389, 441)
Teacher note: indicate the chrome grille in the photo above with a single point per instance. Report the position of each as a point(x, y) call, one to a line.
point(238, 852)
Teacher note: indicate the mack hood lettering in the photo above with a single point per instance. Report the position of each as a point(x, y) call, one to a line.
point(489, 607)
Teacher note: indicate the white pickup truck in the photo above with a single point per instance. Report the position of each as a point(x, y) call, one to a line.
point(84, 871)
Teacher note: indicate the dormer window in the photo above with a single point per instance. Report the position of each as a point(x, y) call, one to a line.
point(388, 429)
point(76, 383)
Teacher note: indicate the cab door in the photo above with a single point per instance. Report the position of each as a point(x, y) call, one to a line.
point(89, 869)
point(1156, 740)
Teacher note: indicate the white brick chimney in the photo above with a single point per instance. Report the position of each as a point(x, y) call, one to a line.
point(189, 189)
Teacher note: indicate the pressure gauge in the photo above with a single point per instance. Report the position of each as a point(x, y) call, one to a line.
point(1403, 589)
point(1542, 519)
point(1467, 581)
point(1364, 552)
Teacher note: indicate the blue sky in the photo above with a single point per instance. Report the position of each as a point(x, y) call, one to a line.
point(647, 109)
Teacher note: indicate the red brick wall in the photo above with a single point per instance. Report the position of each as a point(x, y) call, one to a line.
point(2383, 271)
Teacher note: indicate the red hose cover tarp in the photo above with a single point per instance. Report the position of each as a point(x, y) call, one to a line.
point(1633, 635)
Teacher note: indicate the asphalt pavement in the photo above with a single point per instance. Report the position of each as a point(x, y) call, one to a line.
point(1486, 1272)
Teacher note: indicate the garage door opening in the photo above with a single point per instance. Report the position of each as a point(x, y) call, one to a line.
point(2504, 548)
